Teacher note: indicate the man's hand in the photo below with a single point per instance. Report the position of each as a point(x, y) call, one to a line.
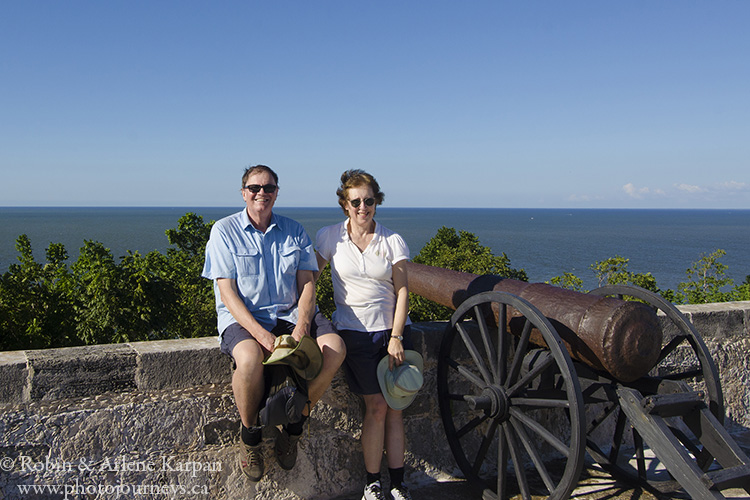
point(300, 330)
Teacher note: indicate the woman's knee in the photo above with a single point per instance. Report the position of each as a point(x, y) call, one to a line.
point(376, 406)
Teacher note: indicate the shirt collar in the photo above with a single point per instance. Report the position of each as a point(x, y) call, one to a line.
point(246, 224)
point(345, 231)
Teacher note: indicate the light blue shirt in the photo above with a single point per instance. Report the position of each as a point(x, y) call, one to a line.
point(264, 266)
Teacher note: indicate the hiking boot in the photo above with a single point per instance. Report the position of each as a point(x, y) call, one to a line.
point(286, 449)
point(400, 493)
point(251, 461)
point(373, 491)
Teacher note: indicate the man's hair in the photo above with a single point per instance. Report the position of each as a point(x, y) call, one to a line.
point(256, 169)
point(357, 178)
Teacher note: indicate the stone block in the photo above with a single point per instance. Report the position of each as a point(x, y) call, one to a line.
point(14, 377)
point(176, 364)
point(81, 371)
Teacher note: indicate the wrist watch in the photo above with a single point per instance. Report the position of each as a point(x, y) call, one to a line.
point(399, 337)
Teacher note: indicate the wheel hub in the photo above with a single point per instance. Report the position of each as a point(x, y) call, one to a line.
point(493, 401)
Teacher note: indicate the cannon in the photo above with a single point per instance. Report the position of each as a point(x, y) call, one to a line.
point(531, 378)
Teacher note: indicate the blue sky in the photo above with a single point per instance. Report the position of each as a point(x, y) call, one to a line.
point(596, 104)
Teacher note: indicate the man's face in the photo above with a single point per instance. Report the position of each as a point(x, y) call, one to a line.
point(260, 202)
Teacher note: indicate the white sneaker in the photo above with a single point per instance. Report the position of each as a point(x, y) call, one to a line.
point(373, 491)
point(400, 493)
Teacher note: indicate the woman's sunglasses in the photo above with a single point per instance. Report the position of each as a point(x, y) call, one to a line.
point(368, 201)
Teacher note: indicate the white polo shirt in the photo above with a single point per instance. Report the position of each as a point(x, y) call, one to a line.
point(362, 281)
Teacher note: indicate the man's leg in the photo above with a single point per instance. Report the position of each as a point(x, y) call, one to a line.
point(247, 386)
point(247, 380)
point(334, 352)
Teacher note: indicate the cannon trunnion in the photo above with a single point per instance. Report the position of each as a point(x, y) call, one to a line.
point(531, 378)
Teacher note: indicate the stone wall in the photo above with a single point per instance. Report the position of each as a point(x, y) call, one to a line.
point(157, 420)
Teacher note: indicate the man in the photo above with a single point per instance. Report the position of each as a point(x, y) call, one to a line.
point(262, 265)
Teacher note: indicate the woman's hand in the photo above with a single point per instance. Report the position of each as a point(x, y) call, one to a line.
point(395, 353)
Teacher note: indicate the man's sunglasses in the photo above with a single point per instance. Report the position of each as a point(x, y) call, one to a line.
point(368, 201)
point(267, 188)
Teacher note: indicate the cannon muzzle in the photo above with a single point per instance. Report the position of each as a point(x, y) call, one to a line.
point(620, 337)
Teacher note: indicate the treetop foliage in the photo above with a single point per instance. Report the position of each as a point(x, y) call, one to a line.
point(163, 296)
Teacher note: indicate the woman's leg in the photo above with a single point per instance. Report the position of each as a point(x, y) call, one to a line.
point(394, 438)
point(373, 431)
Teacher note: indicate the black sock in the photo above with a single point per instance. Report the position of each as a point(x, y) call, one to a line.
point(397, 477)
point(252, 435)
point(296, 428)
point(371, 478)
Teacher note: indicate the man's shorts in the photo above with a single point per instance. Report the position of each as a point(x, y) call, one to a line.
point(235, 333)
point(364, 350)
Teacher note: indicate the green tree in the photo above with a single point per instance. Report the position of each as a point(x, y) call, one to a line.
point(194, 313)
point(34, 309)
point(569, 281)
point(742, 291)
point(460, 252)
point(706, 278)
point(614, 271)
point(324, 292)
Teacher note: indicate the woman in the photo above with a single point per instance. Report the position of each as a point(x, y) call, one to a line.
point(368, 268)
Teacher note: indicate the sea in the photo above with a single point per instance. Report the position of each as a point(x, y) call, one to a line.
point(544, 242)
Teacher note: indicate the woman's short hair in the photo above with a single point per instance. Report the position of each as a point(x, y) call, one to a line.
point(357, 178)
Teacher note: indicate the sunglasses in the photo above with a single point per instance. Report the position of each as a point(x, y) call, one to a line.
point(267, 188)
point(368, 201)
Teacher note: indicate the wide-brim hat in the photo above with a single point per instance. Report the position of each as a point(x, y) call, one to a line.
point(400, 385)
point(304, 356)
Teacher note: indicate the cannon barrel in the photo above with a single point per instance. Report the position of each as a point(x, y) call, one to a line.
point(620, 337)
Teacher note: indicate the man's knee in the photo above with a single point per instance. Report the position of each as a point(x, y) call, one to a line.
point(248, 356)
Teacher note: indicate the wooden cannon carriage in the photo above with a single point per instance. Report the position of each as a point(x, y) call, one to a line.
point(532, 377)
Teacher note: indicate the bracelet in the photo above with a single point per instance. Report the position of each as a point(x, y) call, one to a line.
point(399, 337)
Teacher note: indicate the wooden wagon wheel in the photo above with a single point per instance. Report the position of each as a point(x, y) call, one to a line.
point(684, 359)
point(505, 401)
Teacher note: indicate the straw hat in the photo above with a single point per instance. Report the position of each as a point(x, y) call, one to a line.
point(400, 385)
point(303, 356)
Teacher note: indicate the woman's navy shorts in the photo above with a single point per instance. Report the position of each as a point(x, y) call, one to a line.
point(364, 350)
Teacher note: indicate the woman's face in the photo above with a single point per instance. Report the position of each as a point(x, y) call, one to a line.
point(362, 214)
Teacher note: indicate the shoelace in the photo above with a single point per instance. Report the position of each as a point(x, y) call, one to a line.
point(376, 490)
point(254, 458)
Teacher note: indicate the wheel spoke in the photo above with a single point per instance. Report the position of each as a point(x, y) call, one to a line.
point(523, 343)
point(489, 349)
point(470, 426)
point(502, 465)
point(533, 373)
point(467, 374)
point(485, 446)
point(617, 439)
point(640, 458)
point(534, 454)
point(540, 402)
point(684, 375)
point(541, 431)
point(671, 346)
point(474, 352)
point(503, 338)
point(515, 454)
